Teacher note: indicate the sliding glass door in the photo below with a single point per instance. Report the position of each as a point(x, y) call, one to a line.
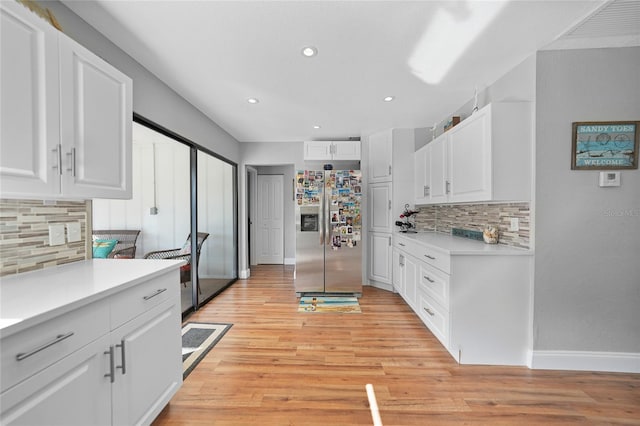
point(166, 170)
point(217, 217)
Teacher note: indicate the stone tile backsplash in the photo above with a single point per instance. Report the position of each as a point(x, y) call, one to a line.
point(24, 234)
point(443, 217)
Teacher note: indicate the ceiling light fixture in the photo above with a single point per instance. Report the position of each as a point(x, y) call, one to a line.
point(309, 51)
point(253, 100)
point(389, 98)
point(316, 127)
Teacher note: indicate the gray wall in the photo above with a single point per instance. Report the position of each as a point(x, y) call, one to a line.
point(152, 98)
point(587, 263)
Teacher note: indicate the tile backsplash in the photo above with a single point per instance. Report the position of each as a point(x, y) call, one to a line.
point(476, 217)
point(24, 234)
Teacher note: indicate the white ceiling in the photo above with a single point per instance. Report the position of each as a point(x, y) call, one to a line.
point(429, 55)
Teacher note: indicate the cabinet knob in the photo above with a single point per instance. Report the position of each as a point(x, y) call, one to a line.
point(429, 311)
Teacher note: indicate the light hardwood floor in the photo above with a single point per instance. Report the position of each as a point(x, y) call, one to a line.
point(280, 367)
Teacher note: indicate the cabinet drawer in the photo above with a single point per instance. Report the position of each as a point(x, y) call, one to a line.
point(30, 351)
point(434, 257)
point(144, 296)
point(435, 317)
point(434, 283)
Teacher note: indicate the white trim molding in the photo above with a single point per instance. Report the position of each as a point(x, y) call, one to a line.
point(615, 362)
point(289, 260)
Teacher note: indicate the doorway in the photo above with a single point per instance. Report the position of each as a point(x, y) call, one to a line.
point(270, 219)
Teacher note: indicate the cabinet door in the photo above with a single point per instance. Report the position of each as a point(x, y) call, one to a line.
point(148, 359)
point(438, 170)
point(380, 157)
point(421, 160)
point(317, 150)
point(346, 150)
point(410, 281)
point(380, 260)
point(470, 159)
point(29, 134)
point(380, 207)
point(396, 271)
point(96, 117)
point(74, 391)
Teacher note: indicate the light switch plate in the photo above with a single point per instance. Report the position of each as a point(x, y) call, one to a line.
point(56, 234)
point(515, 224)
point(73, 232)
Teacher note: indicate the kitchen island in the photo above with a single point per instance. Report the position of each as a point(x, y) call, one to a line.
point(474, 297)
point(92, 342)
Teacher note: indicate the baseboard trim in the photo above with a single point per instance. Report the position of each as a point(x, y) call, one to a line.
point(289, 260)
point(244, 274)
point(614, 362)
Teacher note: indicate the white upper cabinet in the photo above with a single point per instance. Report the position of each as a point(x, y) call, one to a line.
point(96, 117)
point(486, 157)
point(332, 150)
point(380, 156)
point(422, 183)
point(490, 155)
point(30, 128)
point(66, 115)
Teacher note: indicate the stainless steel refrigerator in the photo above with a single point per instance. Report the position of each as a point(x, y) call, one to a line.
point(328, 231)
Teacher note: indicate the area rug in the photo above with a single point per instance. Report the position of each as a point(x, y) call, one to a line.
point(330, 304)
point(197, 341)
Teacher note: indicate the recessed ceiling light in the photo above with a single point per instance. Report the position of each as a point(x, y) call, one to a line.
point(389, 98)
point(253, 100)
point(309, 51)
point(316, 127)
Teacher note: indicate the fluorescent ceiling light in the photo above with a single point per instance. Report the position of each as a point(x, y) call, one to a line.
point(253, 100)
point(389, 98)
point(449, 34)
point(309, 51)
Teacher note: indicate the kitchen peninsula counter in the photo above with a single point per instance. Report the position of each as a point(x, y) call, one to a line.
point(34, 297)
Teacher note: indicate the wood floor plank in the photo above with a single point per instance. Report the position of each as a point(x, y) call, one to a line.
point(278, 366)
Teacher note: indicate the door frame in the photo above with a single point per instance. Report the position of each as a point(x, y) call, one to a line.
point(252, 201)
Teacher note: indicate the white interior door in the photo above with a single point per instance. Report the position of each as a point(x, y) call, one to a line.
point(270, 238)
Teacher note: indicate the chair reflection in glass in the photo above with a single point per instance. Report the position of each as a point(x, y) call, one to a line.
point(182, 253)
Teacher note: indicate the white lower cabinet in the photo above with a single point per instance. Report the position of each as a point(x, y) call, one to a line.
point(477, 305)
point(147, 374)
point(380, 255)
point(116, 361)
point(73, 391)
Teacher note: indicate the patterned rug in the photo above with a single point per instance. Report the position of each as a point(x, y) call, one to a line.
point(197, 341)
point(335, 304)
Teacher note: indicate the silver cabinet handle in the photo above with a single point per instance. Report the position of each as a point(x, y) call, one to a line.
point(389, 241)
point(448, 187)
point(122, 366)
point(112, 372)
point(389, 169)
point(429, 311)
point(72, 169)
point(59, 338)
point(429, 257)
point(389, 204)
point(58, 165)
point(158, 291)
point(428, 190)
point(401, 244)
point(401, 260)
point(428, 279)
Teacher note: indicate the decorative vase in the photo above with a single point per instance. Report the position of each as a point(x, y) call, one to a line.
point(490, 235)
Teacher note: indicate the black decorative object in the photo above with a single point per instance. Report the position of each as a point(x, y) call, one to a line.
point(408, 222)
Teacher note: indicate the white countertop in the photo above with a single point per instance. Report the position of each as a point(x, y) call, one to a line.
point(462, 246)
point(32, 297)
